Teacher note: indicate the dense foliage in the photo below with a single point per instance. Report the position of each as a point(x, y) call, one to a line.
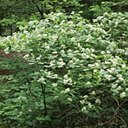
point(14, 11)
point(67, 73)
point(63, 63)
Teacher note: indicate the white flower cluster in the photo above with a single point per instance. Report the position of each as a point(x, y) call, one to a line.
point(67, 90)
point(41, 80)
point(67, 80)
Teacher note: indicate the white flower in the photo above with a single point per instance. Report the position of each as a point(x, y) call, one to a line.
point(41, 80)
point(60, 64)
point(102, 52)
point(90, 105)
point(95, 70)
point(54, 85)
point(114, 85)
point(85, 97)
point(92, 55)
point(73, 39)
point(92, 50)
point(97, 64)
point(67, 90)
point(22, 98)
point(123, 66)
point(87, 50)
point(107, 62)
point(55, 75)
point(54, 38)
point(108, 77)
point(52, 63)
point(108, 52)
point(114, 61)
point(88, 83)
point(26, 56)
point(82, 101)
point(93, 93)
point(63, 31)
point(87, 56)
point(55, 52)
point(39, 57)
point(56, 97)
point(39, 36)
point(84, 109)
point(69, 99)
point(59, 14)
point(111, 70)
point(119, 88)
point(47, 47)
point(90, 65)
point(44, 35)
point(62, 52)
point(89, 38)
point(98, 101)
point(30, 23)
point(29, 110)
point(67, 80)
point(120, 77)
point(63, 46)
point(122, 95)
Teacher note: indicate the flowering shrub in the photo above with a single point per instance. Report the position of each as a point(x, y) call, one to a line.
point(72, 73)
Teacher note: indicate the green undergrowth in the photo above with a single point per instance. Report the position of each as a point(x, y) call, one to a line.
point(72, 74)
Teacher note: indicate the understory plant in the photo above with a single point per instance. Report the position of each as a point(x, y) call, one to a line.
point(67, 73)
